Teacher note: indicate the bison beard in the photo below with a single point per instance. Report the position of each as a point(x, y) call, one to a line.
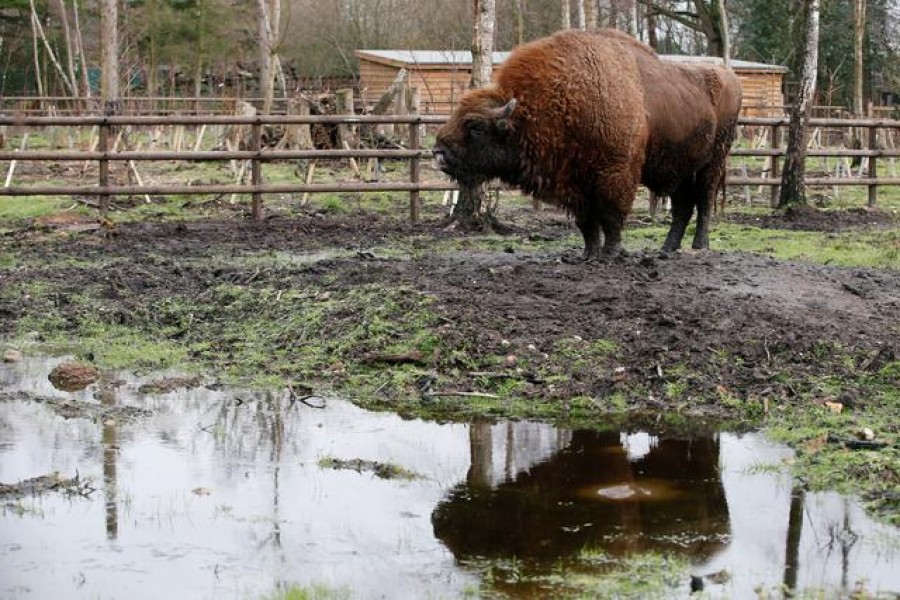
point(581, 118)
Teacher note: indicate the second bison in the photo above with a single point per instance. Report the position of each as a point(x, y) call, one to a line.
point(581, 118)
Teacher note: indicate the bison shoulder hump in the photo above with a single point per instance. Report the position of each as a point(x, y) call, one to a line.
point(714, 85)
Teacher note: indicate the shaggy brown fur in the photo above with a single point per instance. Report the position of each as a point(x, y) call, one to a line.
point(580, 118)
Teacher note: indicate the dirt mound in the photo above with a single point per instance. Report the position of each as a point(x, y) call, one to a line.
point(809, 218)
point(712, 325)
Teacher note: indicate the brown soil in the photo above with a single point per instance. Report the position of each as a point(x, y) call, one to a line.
point(723, 324)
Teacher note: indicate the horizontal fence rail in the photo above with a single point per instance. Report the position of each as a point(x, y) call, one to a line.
point(257, 155)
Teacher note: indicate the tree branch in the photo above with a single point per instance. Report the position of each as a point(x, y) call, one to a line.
point(682, 17)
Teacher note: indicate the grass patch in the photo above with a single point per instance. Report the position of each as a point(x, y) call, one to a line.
point(826, 458)
point(590, 574)
point(316, 591)
point(15, 209)
point(382, 470)
point(849, 249)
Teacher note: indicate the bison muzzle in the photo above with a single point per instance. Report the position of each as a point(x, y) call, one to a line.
point(581, 118)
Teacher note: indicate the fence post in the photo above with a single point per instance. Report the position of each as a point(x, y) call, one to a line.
point(103, 182)
point(256, 171)
point(775, 165)
point(873, 171)
point(344, 100)
point(413, 106)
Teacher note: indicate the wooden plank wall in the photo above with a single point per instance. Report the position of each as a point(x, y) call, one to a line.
point(762, 94)
point(441, 88)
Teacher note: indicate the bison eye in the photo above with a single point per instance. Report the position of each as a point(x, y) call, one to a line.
point(478, 128)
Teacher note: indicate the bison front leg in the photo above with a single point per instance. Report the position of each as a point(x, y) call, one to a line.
point(589, 224)
point(612, 221)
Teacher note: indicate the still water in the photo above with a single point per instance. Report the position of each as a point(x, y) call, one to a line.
point(227, 494)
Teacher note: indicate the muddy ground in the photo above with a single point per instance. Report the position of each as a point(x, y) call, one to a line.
point(701, 333)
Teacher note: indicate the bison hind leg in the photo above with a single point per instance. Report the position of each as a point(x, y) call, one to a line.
point(683, 200)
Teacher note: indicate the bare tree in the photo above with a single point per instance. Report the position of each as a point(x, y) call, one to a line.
point(109, 55)
point(793, 187)
point(859, 35)
point(469, 212)
point(485, 13)
point(268, 13)
point(566, 14)
point(519, 7)
point(723, 27)
point(705, 18)
point(38, 31)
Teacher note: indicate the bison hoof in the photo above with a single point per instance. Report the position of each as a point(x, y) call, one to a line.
point(574, 259)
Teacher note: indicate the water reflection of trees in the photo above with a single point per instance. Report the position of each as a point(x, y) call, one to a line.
point(559, 506)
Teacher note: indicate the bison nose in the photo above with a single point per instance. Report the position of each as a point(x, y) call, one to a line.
point(440, 157)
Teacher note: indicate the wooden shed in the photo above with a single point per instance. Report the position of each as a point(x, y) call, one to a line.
point(442, 76)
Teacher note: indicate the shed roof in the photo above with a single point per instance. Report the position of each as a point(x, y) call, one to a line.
point(445, 58)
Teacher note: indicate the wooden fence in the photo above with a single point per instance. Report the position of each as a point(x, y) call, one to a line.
point(877, 147)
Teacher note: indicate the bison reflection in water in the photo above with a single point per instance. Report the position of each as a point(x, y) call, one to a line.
point(592, 495)
point(581, 118)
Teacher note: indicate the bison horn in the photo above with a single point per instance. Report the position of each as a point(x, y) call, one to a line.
point(506, 110)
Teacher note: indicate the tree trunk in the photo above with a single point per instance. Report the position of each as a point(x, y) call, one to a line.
point(153, 54)
point(38, 29)
point(79, 42)
point(198, 51)
point(70, 46)
point(520, 21)
point(579, 14)
point(265, 67)
point(723, 27)
point(566, 15)
point(793, 187)
point(633, 19)
point(652, 38)
point(38, 82)
point(590, 14)
point(483, 43)
point(109, 55)
point(469, 214)
point(859, 34)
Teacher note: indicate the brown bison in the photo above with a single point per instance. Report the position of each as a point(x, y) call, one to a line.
point(580, 118)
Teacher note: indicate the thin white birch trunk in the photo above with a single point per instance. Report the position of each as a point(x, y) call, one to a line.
point(483, 43)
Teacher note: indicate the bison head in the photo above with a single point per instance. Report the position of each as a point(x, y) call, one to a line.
point(477, 144)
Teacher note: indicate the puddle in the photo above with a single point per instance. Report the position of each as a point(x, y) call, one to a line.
point(229, 494)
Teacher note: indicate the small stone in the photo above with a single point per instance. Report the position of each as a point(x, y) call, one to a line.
point(511, 359)
point(835, 407)
point(12, 356)
point(532, 348)
point(866, 434)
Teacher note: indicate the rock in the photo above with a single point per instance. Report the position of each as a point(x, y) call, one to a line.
point(835, 407)
point(12, 356)
point(72, 376)
point(866, 434)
